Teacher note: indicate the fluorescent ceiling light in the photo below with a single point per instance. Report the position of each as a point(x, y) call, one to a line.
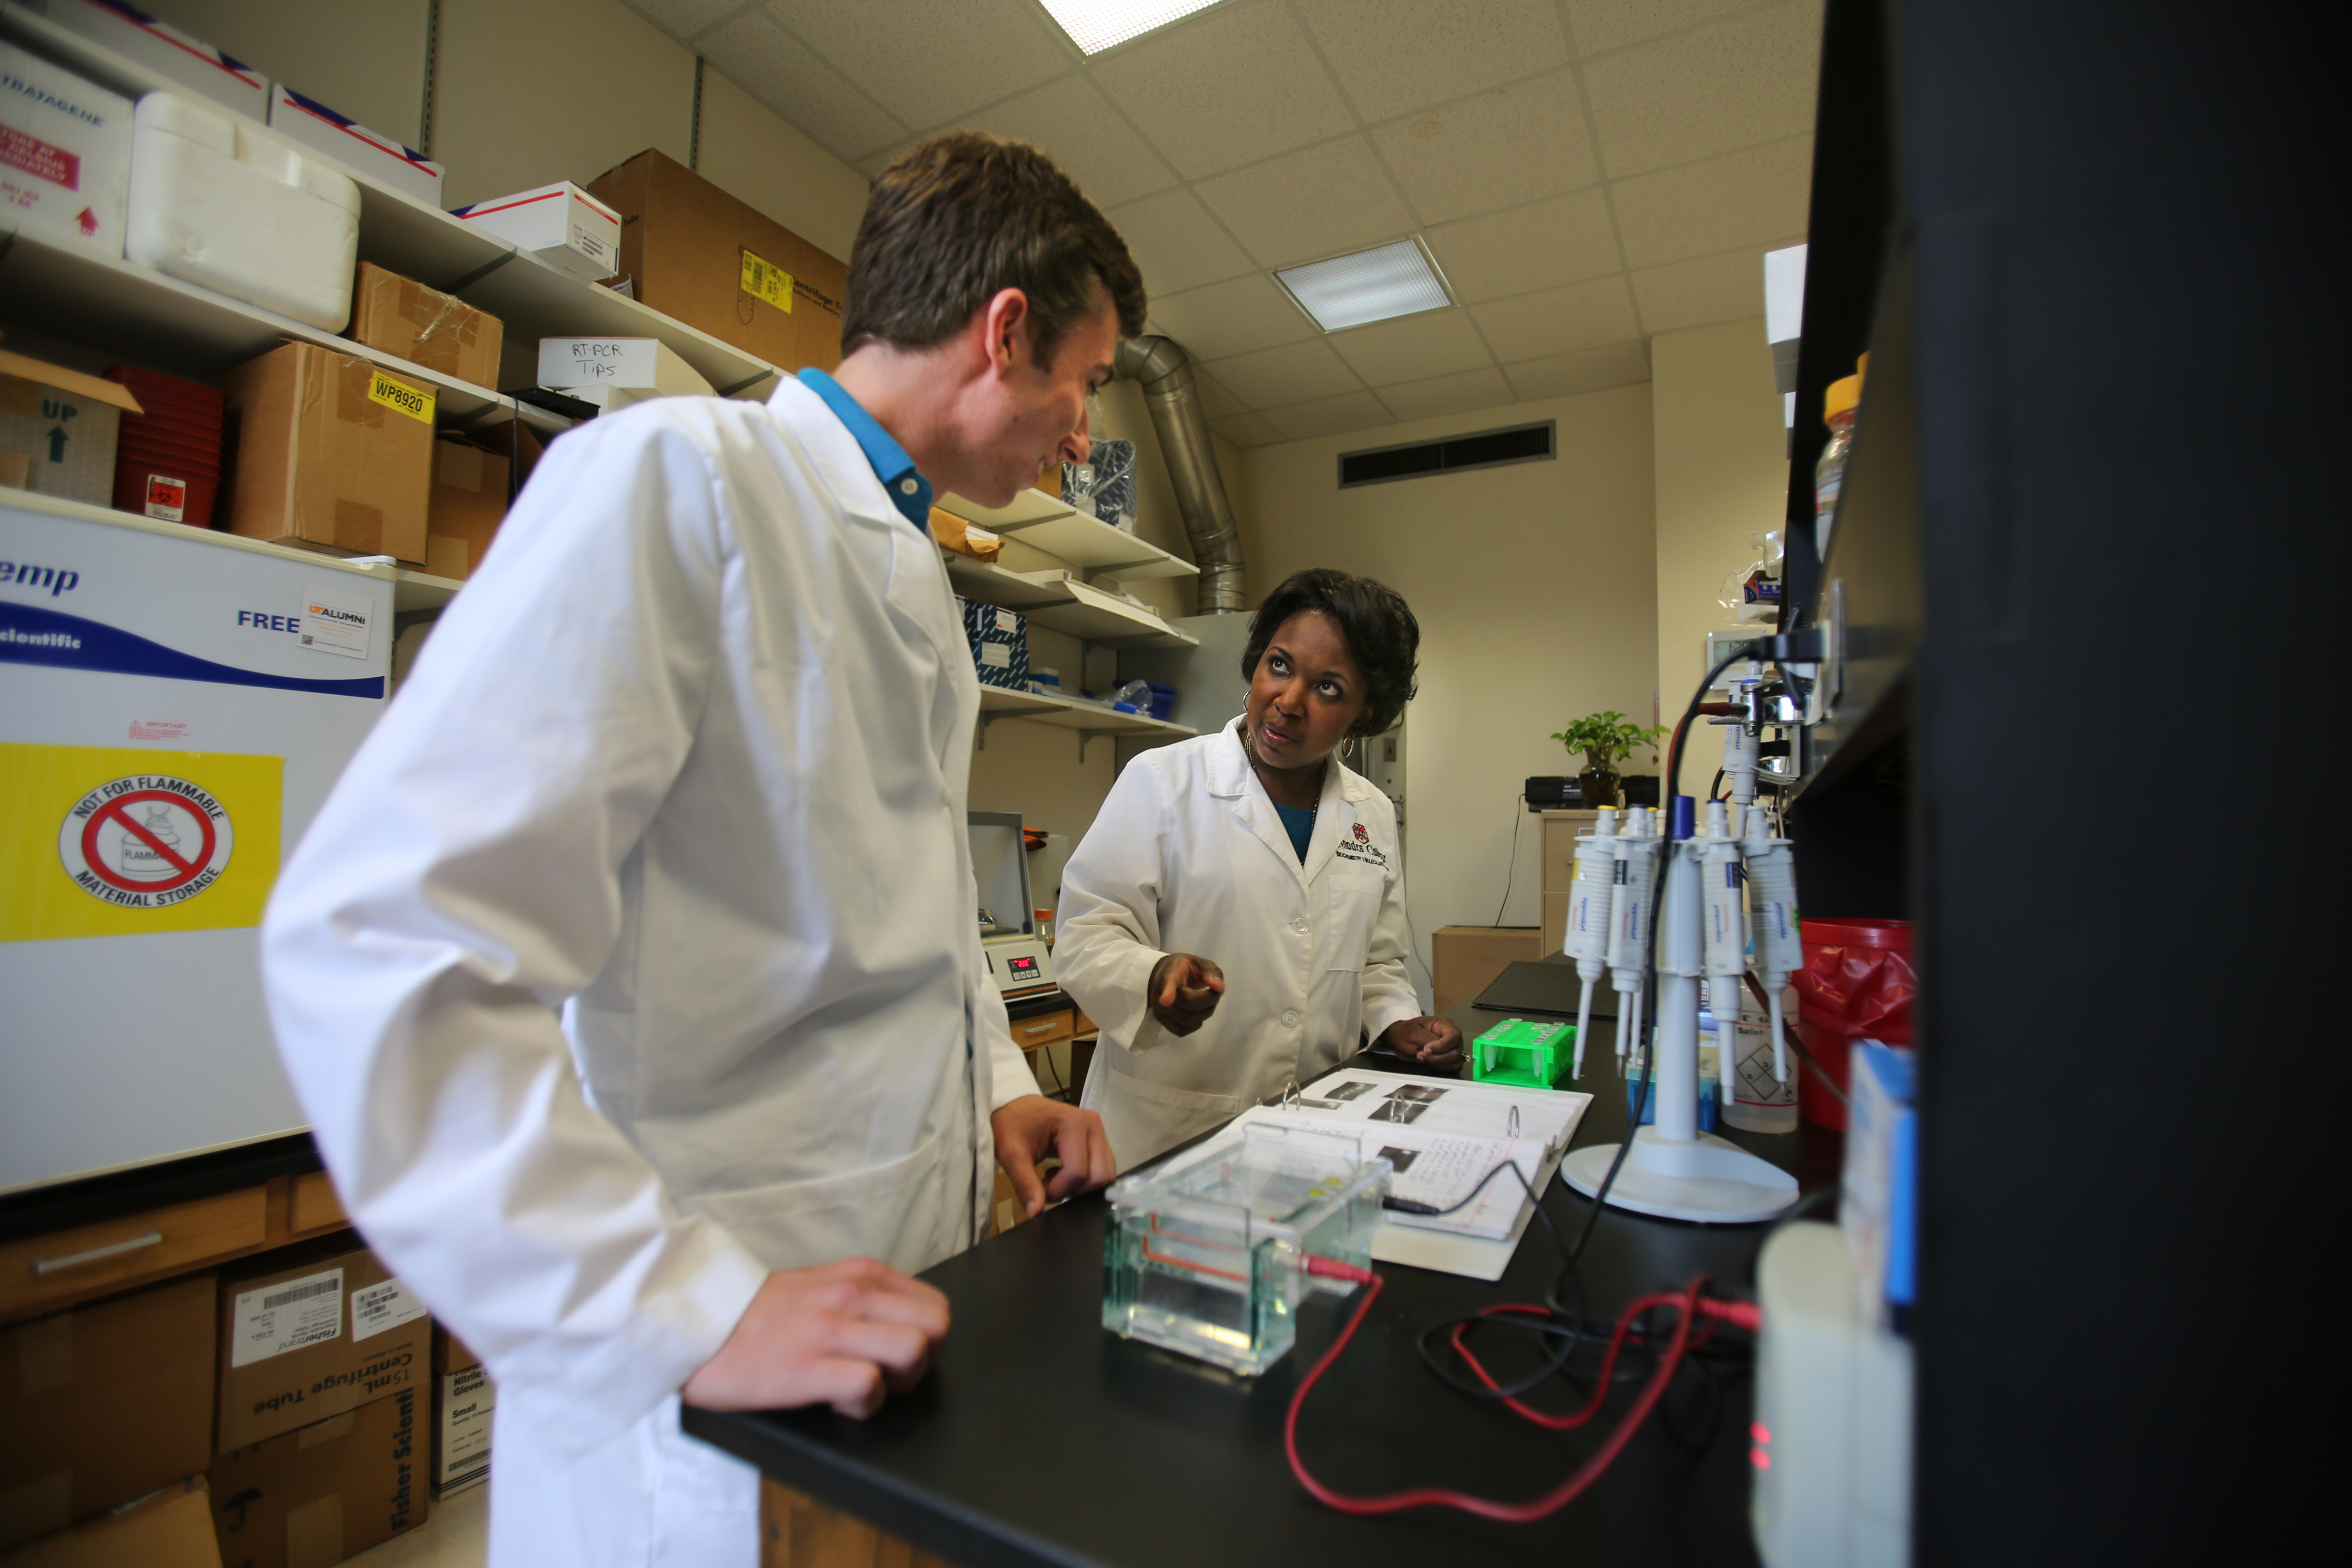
point(1369, 286)
point(1097, 25)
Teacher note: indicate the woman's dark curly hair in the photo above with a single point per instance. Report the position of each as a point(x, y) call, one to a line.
point(1383, 636)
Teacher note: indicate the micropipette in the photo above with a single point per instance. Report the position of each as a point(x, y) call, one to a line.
point(1629, 920)
point(1724, 935)
point(1587, 941)
point(1779, 949)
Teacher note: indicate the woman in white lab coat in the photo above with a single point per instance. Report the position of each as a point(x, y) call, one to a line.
point(1234, 918)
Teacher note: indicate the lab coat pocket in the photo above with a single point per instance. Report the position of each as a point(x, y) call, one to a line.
point(904, 1212)
point(1353, 903)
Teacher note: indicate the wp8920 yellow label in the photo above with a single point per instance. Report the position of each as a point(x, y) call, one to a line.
point(412, 401)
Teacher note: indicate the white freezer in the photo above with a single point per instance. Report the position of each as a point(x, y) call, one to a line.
point(174, 705)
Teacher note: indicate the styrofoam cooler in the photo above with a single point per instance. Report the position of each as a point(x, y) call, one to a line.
point(226, 205)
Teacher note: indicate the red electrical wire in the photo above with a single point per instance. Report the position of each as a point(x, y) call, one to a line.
point(1693, 1306)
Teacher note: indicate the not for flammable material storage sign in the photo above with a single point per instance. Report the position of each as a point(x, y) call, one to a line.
point(115, 841)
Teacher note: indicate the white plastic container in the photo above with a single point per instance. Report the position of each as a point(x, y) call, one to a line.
point(313, 125)
point(64, 153)
point(561, 224)
point(228, 207)
point(165, 50)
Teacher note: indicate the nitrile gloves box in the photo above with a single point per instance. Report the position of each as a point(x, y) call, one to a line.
point(1879, 1211)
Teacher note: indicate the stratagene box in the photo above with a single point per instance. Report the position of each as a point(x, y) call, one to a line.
point(311, 1332)
point(104, 1403)
point(329, 452)
point(64, 153)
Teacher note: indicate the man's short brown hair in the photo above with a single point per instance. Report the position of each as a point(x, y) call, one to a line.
point(967, 215)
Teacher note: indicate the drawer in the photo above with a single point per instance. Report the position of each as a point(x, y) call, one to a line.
point(315, 1203)
point(66, 1265)
point(1044, 1030)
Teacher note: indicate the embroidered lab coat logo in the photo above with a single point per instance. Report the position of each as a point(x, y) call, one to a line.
point(1362, 837)
point(1360, 848)
point(147, 841)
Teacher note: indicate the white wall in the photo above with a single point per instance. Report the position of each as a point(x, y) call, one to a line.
point(1721, 473)
point(755, 156)
point(1536, 590)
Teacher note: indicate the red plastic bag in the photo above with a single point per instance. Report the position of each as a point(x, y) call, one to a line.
point(1857, 983)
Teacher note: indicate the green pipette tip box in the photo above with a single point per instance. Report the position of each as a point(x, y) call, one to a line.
point(1524, 1053)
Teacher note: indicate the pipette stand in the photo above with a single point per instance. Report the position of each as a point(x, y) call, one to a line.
point(1674, 1170)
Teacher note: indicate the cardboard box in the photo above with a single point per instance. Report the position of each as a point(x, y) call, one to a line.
point(697, 254)
point(581, 364)
point(451, 1354)
point(1553, 932)
point(167, 52)
point(65, 424)
point(311, 1332)
point(1560, 831)
point(560, 224)
point(423, 326)
point(325, 1491)
point(64, 153)
point(328, 453)
point(965, 537)
point(103, 1404)
point(1464, 959)
point(171, 1528)
point(369, 152)
point(468, 502)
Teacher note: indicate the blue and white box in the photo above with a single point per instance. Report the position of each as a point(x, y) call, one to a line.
point(1879, 1210)
point(1000, 644)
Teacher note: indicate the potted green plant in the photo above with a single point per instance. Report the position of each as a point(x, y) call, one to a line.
point(1603, 738)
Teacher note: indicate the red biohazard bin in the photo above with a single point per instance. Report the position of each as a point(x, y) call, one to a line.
point(1857, 984)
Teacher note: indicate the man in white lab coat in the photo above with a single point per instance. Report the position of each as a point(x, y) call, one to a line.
point(685, 762)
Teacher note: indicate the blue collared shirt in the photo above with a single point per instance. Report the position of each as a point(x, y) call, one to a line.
point(910, 492)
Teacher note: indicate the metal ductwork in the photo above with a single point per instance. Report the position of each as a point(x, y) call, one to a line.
point(1174, 399)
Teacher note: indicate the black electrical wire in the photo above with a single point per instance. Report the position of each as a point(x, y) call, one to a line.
point(1519, 810)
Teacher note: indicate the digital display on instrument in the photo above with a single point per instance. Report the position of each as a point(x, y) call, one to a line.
point(1021, 968)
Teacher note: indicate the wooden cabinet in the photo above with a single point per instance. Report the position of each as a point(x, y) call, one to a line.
point(1560, 831)
point(41, 1273)
point(1044, 1030)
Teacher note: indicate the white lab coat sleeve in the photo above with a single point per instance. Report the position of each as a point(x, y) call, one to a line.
point(1106, 931)
point(465, 879)
point(1389, 994)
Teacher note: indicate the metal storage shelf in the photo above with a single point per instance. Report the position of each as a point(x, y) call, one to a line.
point(1039, 520)
point(1001, 702)
point(1075, 608)
point(142, 314)
point(534, 299)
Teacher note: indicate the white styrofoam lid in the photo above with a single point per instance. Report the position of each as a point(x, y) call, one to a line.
point(246, 142)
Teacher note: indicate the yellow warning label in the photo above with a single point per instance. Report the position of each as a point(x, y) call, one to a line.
point(412, 401)
point(127, 841)
point(763, 279)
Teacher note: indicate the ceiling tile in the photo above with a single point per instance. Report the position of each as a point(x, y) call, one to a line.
point(1497, 149)
point(1215, 400)
point(1741, 198)
point(1177, 243)
point(1292, 374)
point(1330, 416)
point(1393, 58)
point(1564, 375)
point(1239, 84)
point(1746, 79)
point(780, 72)
point(1565, 239)
point(1560, 320)
point(684, 18)
point(872, 167)
point(1309, 204)
point(1443, 395)
point(1246, 430)
point(1701, 292)
point(929, 61)
point(1073, 120)
point(1236, 317)
point(1414, 348)
point(1602, 25)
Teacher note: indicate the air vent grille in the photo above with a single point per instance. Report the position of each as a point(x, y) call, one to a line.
point(1454, 455)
